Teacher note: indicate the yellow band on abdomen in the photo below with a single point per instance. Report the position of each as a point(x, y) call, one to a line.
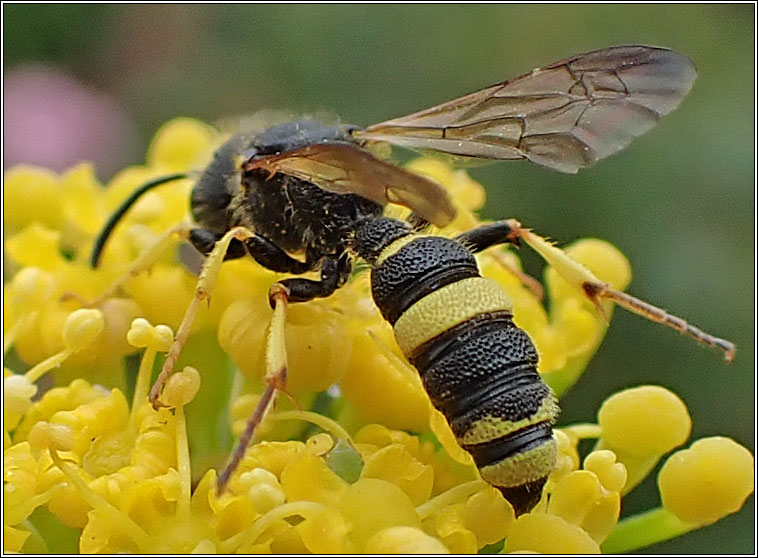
point(446, 307)
point(492, 427)
point(527, 466)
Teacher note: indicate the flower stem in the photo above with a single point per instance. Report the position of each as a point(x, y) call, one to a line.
point(325, 423)
point(638, 531)
point(584, 430)
point(9, 337)
point(46, 365)
point(183, 464)
point(302, 508)
point(142, 386)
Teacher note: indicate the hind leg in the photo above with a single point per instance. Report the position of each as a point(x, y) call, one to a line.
point(577, 275)
point(596, 290)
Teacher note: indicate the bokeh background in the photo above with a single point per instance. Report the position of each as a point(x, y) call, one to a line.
point(94, 82)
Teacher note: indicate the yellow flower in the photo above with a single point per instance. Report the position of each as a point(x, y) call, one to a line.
point(364, 463)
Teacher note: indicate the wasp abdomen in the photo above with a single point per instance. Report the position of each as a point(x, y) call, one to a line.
point(478, 368)
point(416, 270)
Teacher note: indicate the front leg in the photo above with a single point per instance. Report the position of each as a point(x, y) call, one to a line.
point(205, 283)
point(263, 251)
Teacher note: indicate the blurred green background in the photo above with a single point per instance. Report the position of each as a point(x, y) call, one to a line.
point(680, 202)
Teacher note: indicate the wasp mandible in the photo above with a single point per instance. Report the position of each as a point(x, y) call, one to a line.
point(305, 196)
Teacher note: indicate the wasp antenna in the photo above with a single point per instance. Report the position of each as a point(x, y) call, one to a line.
point(102, 238)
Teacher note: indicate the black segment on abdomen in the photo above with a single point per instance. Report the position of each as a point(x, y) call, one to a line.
point(423, 266)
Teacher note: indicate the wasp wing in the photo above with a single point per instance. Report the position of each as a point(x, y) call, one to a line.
point(345, 168)
point(565, 116)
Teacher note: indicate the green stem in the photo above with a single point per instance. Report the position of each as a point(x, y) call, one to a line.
point(584, 430)
point(48, 364)
point(638, 531)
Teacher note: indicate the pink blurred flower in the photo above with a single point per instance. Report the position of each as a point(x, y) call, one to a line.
point(53, 120)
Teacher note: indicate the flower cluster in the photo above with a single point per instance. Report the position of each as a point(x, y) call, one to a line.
point(369, 467)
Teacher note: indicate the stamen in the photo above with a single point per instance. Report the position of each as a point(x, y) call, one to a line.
point(183, 464)
point(302, 508)
point(452, 496)
point(325, 423)
point(120, 521)
point(41, 368)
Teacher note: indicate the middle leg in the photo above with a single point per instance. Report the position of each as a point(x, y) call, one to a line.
point(334, 272)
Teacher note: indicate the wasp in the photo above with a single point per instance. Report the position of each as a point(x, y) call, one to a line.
point(305, 196)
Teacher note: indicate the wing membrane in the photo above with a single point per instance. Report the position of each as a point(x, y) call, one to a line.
point(345, 168)
point(565, 116)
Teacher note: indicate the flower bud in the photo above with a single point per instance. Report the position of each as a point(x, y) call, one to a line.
point(182, 387)
point(32, 288)
point(319, 444)
point(82, 327)
point(143, 334)
point(45, 435)
point(612, 475)
point(549, 534)
point(17, 393)
point(266, 496)
point(568, 457)
point(178, 144)
point(708, 481)
point(642, 421)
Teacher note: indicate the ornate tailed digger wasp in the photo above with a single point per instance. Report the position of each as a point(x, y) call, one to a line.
point(317, 192)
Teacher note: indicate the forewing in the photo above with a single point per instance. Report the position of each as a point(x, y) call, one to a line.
point(345, 168)
point(565, 116)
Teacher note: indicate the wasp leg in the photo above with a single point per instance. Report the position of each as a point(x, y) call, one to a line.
point(584, 280)
point(270, 256)
point(204, 240)
point(204, 286)
point(483, 237)
point(418, 223)
point(143, 262)
point(263, 251)
point(334, 272)
point(499, 232)
point(275, 381)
